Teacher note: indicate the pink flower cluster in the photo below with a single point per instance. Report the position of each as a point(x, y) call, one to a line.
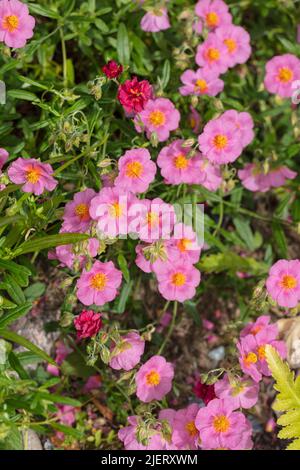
point(16, 25)
point(254, 178)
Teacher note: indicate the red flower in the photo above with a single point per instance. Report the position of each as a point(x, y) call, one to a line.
point(133, 95)
point(112, 69)
point(87, 324)
point(203, 391)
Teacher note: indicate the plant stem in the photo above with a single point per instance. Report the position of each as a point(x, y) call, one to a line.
point(171, 328)
point(64, 55)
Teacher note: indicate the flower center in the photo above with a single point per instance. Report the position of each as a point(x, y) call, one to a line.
point(181, 162)
point(285, 74)
point(178, 279)
point(220, 141)
point(250, 358)
point(212, 54)
point(221, 423)
point(33, 175)
point(261, 351)
point(10, 23)
point(231, 45)
point(212, 19)
point(288, 282)
point(237, 389)
point(82, 211)
point(152, 378)
point(134, 169)
point(115, 210)
point(201, 85)
point(183, 244)
point(191, 429)
point(152, 219)
point(157, 118)
point(99, 281)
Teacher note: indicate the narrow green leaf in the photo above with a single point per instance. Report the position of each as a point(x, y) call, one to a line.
point(123, 48)
point(49, 241)
point(15, 338)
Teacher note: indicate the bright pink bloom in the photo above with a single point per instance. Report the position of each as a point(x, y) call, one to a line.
point(220, 142)
point(222, 428)
point(252, 354)
point(283, 283)
point(99, 285)
point(3, 157)
point(136, 171)
point(157, 255)
point(127, 353)
point(68, 256)
point(281, 72)
point(204, 391)
point(212, 55)
point(77, 212)
point(154, 379)
point(155, 20)
point(35, 176)
point(184, 245)
point(201, 82)
point(243, 123)
point(214, 13)
point(159, 117)
point(207, 175)
point(185, 434)
point(92, 383)
point(237, 41)
point(111, 208)
point(152, 220)
point(129, 436)
point(66, 414)
point(194, 120)
point(16, 25)
point(176, 165)
point(178, 280)
point(261, 325)
point(112, 69)
point(133, 95)
point(243, 392)
point(254, 178)
point(87, 324)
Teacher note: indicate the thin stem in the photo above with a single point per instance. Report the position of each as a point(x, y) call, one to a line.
point(170, 331)
point(221, 217)
point(64, 55)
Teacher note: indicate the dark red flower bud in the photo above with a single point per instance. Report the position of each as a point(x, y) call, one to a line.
point(87, 324)
point(112, 69)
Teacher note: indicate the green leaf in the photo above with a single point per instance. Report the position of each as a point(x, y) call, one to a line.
point(243, 228)
point(123, 297)
point(280, 243)
point(49, 241)
point(66, 430)
point(17, 366)
point(35, 291)
point(15, 338)
point(14, 314)
point(123, 48)
point(53, 398)
point(165, 74)
point(13, 289)
point(123, 266)
point(231, 262)
point(22, 95)
point(43, 11)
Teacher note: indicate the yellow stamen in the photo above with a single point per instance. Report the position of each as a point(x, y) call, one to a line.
point(178, 279)
point(201, 85)
point(261, 351)
point(220, 141)
point(82, 211)
point(152, 378)
point(99, 281)
point(251, 358)
point(152, 219)
point(221, 423)
point(285, 75)
point(115, 210)
point(212, 19)
point(184, 244)
point(10, 23)
point(134, 170)
point(157, 118)
point(231, 45)
point(213, 54)
point(191, 429)
point(288, 282)
point(181, 162)
point(33, 175)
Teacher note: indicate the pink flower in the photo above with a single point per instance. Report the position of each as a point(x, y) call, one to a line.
point(281, 72)
point(237, 41)
point(212, 55)
point(62, 351)
point(87, 324)
point(176, 165)
point(68, 256)
point(222, 428)
point(35, 176)
point(154, 379)
point(201, 82)
point(185, 434)
point(207, 175)
point(178, 281)
point(252, 354)
point(92, 383)
point(133, 95)
point(214, 13)
point(243, 123)
point(155, 20)
point(243, 392)
point(99, 285)
point(254, 178)
point(3, 157)
point(66, 414)
point(127, 353)
point(16, 25)
point(159, 117)
point(136, 171)
point(283, 283)
point(184, 245)
point(194, 120)
point(220, 142)
point(134, 440)
point(152, 219)
point(76, 215)
point(150, 257)
point(111, 208)
point(261, 325)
